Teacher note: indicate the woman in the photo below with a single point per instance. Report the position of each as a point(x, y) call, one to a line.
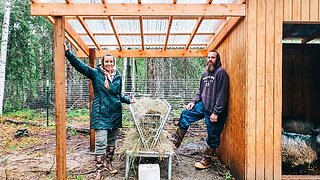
point(106, 116)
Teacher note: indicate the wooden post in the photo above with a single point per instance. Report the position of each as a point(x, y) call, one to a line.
point(92, 56)
point(60, 97)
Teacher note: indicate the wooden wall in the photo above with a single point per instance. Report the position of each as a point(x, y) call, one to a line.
point(301, 90)
point(233, 52)
point(264, 20)
point(301, 10)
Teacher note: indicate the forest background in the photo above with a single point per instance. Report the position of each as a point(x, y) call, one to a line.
point(29, 69)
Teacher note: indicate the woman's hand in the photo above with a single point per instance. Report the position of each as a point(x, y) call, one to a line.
point(65, 47)
point(133, 100)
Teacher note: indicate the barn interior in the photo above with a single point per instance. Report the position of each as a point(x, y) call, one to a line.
point(300, 78)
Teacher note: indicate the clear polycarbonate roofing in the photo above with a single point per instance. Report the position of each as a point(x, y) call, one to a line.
point(136, 32)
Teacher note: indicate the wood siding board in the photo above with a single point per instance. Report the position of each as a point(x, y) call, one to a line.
point(60, 97)
point(261, 63)
point(251, 85)
point(269, 151)
point(305, 10)
point(296, 10)
point(279, 14)
point(287, 9)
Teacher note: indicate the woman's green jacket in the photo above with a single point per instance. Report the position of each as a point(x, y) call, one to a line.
point(106, 107)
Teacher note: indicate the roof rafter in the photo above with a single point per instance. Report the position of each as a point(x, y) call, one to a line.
point(150, 53)
point(151, 44)
point(141, 32)
point(223, 30)
point(168, 33)
point(115, 32)
point(95, 9)
point(69, 1)
point(87, 29)
point(141, 29)
point(196, 27)
point(73, 37)
point(194, 31)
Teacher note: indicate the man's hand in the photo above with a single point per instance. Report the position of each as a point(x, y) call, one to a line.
point(213, 118)
point(190, 106)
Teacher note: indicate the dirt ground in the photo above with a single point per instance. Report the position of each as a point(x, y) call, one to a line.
point(33, 157)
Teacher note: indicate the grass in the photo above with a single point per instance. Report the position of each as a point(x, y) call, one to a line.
point(25, 114)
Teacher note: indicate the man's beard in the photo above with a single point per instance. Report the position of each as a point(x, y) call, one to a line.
point(210, 67)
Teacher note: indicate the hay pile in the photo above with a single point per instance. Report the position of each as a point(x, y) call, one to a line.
point(149, 113)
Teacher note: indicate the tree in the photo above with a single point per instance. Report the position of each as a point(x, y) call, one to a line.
point(3, 56)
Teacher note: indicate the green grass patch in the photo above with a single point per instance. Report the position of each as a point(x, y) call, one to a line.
point(26, 114)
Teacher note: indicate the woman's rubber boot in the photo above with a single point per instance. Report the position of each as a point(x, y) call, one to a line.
point(99, 166)
point(108, 163)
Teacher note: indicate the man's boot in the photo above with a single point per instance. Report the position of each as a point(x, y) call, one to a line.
point(178, 136)
point(108, 163)
point(99, 165)
point(206, 161)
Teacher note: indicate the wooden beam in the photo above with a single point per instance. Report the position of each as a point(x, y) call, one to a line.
point(194, 31)
point(92, 56)
point(115, 32)
point(95, 9)
point(182, 45)
point(150, 53)
point(185, 17)
point(224, 32)
point(148, 33)
point(60, 98)
point(141, 32)
point(87, 29)
point(75, 37)
point(168, 33)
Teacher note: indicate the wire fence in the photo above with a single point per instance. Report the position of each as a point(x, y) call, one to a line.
point(177, 92)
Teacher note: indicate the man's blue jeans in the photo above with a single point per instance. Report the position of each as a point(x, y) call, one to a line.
point(214, 129)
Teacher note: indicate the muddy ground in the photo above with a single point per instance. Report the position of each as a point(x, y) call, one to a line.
point(33, 157)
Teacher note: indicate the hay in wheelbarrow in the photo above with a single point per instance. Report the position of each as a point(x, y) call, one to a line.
point(150, 117)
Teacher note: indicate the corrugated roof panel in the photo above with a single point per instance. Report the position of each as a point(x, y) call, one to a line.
point(122, 1)
point(154, 39)
point(159, 26)
point(86, 39)
point(201, 39)
point(178, 39)
point(191, 1)
point(87, 1)
point(124, 26)
point(209, 25)
point(130, 39)
point(53, 1)
point(99, 26)
point(106, 39)
point(223, 1)
point(185, 26)
point(77, 26)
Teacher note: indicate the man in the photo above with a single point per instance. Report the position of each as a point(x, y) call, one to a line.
point(210, 103)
